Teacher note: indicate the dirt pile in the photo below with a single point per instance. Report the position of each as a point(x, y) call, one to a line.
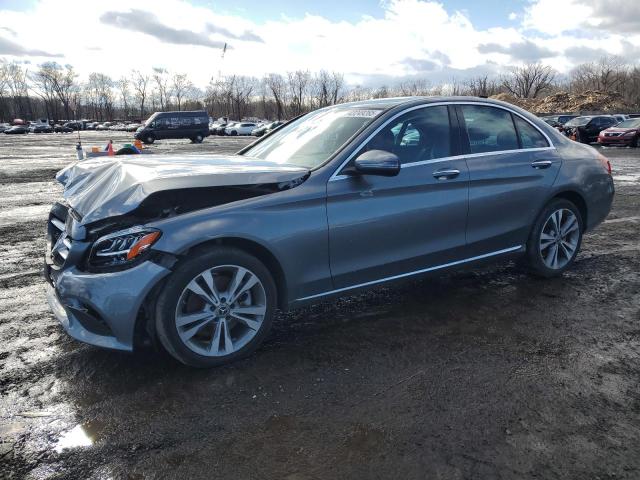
point(588, 101)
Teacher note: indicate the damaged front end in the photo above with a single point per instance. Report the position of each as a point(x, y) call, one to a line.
point(108, 202)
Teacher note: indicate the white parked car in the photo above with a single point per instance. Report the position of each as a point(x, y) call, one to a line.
point(240, 128)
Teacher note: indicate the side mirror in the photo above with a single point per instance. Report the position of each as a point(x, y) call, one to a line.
point(378, 162)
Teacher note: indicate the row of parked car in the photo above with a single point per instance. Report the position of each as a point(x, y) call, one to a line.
point(257, 129)
point(619, 129)
point(44, 126)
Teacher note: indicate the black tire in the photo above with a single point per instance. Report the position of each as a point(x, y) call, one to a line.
point(533, 259)
point(198, 138)
point(233, 133)
point(634, 142)
point(186, 271)
point(149, 139)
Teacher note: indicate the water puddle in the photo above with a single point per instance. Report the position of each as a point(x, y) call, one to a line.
point(80, 436)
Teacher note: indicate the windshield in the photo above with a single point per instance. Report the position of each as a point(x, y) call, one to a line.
point(633, 123)
point(578, 122)
point(150, 119)
point(311, 140)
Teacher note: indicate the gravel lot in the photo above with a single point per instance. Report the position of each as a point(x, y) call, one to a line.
point(478, 374)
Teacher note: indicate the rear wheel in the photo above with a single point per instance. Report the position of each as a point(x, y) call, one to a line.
point(216, 307)
point(197, 139)
point(634, 142)
point(555, 239)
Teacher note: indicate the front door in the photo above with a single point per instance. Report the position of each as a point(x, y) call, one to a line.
point(381, 227)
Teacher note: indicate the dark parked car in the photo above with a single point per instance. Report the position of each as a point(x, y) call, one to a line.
point(200, 252)
point(625, 133)
point(265, 129)
point(587, 128)
point(41, 129)
point(163, 125)
point(62, 129)
point(17, 129)
point(220, 129)
point(74, 125)
point(558, 121)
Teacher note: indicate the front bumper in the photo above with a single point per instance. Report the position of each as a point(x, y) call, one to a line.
point(624, 141)
point(101, 308)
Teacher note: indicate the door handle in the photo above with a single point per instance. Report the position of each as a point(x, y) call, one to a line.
point(446, 173)
point(542, 164)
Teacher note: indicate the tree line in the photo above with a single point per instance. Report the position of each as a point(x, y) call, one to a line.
point(55, 91)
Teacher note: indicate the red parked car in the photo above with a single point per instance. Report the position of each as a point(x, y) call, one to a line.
point(625, 133)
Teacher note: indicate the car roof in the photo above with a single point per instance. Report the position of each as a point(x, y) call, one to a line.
point(387, 103)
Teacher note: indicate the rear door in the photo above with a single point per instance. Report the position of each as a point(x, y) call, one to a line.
point(512, 166)
point(381, 227)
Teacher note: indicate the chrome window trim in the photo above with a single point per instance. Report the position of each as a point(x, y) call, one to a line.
point(416, 272)
point(337, 176)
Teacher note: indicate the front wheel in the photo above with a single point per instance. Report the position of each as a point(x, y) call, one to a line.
point(149, 139)
point(555, 239)
point(216, 307)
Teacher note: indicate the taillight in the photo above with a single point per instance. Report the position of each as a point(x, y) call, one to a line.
point(605, 162)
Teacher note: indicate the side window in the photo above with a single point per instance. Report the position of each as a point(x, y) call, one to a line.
point(530, 137)
point(423, 134)
point(489, 129)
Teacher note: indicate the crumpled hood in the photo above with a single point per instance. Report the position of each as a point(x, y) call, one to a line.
point(105, 187)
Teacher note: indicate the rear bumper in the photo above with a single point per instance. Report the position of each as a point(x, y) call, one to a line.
point(101, 309)
point(601, 203)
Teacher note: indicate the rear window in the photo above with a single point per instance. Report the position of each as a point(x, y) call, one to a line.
point(578, 122)
point(489, 129)
point(530, 137)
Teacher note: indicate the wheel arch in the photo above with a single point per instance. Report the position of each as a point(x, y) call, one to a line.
point(578, 200)
point(259, 251)
point(144, 327)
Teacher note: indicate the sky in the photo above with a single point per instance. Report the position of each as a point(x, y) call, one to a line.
point(372, 42)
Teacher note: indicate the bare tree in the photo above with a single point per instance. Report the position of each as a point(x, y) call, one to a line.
point(123, 87)
point(180, 87)
point(298, 83)
point(278, 88)
point(62, 81)
point(607, 74)
point(241, 90)
point(482, 86)
point(42, 86)
point(140, 83)
point(161, 79)
point(530, 80)
point(18, 86)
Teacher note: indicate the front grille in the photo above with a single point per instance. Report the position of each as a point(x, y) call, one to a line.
point(614, 134)
point(59, 240)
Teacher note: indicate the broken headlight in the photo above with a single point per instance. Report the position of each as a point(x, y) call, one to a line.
point(123, 247)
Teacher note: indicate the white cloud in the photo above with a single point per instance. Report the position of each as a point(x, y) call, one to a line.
point(413, 37)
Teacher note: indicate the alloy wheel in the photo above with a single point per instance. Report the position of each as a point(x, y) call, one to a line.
point(220, 310)
point(559, 238)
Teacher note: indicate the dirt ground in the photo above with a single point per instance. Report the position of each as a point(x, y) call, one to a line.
point(484, 373)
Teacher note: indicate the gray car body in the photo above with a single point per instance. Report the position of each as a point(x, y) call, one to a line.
point(332, 234)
